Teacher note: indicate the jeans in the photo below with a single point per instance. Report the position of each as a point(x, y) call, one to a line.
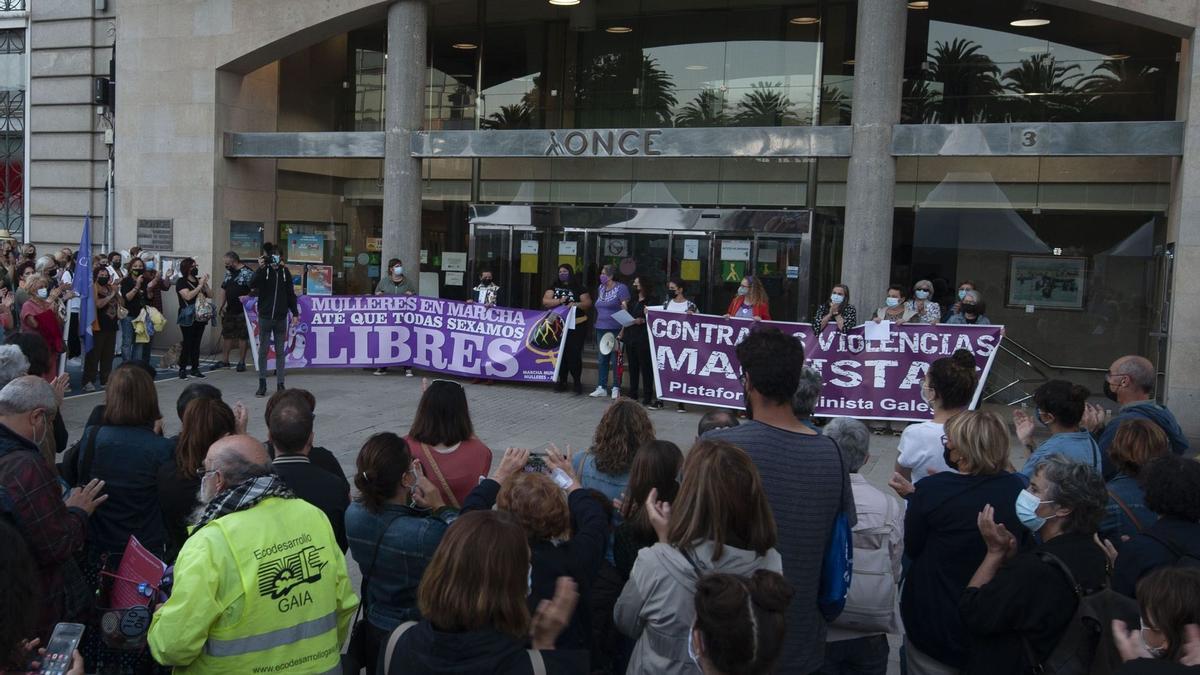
point(606, 361)
point(131, 350)
point(641, 366)
point(190, 356)
point(860, 656)
point(268, 330)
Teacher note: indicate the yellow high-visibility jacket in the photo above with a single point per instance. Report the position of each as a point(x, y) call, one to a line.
point(263, 590)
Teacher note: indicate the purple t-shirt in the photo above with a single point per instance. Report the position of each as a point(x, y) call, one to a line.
point(608, 301)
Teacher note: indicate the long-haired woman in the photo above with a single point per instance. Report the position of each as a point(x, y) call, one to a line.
point(205, 421)
point(443, 439)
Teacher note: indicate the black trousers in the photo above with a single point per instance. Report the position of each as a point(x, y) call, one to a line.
point(190, 357)
point(637, 359)
point(572, 355)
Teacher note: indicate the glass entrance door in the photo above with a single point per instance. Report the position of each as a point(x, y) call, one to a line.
point(640, 254)
point(530, 267)
point(781, 263)
point(691, 261)
point(731, 257)
point(490, 249)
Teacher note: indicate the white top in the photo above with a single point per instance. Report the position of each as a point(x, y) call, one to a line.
point(678, 307)
point(921, 449)
point(67, 280)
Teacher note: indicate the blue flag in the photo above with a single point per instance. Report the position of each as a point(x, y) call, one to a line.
point(82, 284)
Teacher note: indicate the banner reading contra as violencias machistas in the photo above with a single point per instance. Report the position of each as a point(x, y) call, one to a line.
point(447, 336)
point(696, 362)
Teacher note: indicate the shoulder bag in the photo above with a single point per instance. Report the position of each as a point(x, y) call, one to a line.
point(1128, 511)
point(838, 561)
point(356, 657)
point(437, 471)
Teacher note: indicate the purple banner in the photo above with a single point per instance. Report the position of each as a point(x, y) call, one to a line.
point(448, 336)
point(696, 362)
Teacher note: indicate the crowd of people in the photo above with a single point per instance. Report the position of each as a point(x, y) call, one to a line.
point(630, 556)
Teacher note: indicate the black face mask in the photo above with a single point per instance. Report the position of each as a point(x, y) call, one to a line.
point(103, 281)
point(486, 281)
point(970, 309)
point(946, 457)
point(1108, 391)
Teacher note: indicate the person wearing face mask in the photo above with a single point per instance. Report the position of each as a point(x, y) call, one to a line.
point(740, 623)
point(1130, 382)
point(637, 344)
point(971, 311)
point(114, 267)
point(1059, 407)
point(191, 289)
point(948, 388)
point(40, 315)
point(395, 283)
point(1167, 641)
point(485, 292)
point(942, 541)
point(272, 285)
point(894, 308)
point(611, 296)
point(960, 296)
point(1017, 605)
point(234, 287)
point(838, 311)
point(98, 360)
point(54, 528)
point(751, 301)
point(394, 525)
point(922, 304)
point(677, 303)
point(567, 291)
point(133, 295)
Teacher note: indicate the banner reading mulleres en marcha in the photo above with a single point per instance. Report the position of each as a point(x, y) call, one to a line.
point(428, 333)
point(696, 362)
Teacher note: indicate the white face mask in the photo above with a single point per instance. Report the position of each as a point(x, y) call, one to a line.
point(43, 293)
point(837, 298)
point(892, 302)
point(398, 270)
point(922, 294)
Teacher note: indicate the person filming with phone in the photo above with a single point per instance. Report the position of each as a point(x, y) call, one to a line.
point(272, 285)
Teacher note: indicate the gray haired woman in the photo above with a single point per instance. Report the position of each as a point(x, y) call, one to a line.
point(971, 310)
point(1018, 605)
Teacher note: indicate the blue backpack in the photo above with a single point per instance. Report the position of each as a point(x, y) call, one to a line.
point(838, 563)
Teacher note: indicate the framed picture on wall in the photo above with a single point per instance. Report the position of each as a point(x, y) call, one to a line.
point(1047, 281)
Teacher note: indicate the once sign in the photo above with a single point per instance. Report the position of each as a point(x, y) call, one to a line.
point(604, 143)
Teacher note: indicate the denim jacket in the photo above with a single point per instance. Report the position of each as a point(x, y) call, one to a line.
point(407, 547)
point(1116, 522)
point(609, 485)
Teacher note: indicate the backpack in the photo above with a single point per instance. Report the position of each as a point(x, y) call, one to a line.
point(1086, 646)
point(871, 601)
point(1182, 558)
point(837, 563)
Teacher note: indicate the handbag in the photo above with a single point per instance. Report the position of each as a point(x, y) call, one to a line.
point(838, 562)
point(186, 316)
point(442, 482)
point(355, 658)
point(204, 308)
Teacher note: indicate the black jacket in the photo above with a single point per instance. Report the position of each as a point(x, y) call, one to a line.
point(319, 488)
point(578, 558)
point(424, 650)
point(1148, 551)
point(177, 498)
point(1030, 598)
point(320, 457)
point(276, 296)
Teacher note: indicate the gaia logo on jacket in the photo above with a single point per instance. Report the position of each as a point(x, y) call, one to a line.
point(278, 576)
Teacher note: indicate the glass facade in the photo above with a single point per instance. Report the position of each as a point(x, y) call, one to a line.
point(1016, 226)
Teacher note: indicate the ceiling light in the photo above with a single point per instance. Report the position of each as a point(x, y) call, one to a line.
point(564, 3)
point(1029, 17)
point(695, 67)
point(618, 29)
point(465, 45)
point(1115, 57)
point(919, 4)
point(804, 20)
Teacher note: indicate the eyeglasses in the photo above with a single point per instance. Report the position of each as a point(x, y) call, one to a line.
point(202, 472)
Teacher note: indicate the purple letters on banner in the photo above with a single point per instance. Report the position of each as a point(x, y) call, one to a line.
point(448, 336)
point(696, 362)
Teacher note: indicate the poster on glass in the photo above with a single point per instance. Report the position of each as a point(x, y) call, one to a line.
point(306, 248)
point(1047, 282)
point(319, 279)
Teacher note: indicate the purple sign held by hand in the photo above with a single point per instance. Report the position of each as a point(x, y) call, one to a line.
point(696, 362)
point(447, 336)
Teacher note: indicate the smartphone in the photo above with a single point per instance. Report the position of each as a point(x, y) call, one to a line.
point(63, 643)
point(537, 459)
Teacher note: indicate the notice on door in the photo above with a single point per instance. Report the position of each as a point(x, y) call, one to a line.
point(568, 252)
point(691, 249)
point(454, 262)
point(735, 249)
point(689, 270)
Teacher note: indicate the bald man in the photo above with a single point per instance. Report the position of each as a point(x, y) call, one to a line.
point(1130, 382)
point(261, 584)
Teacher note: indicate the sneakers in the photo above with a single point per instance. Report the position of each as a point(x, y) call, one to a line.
point(679, 408)
point(89, 388)
point(262, 389)
point(241, 367)
point(220, 365)
point(599, 393)
point(408, 372)
point(380, 371)
point(616, 393)
point(196, 373)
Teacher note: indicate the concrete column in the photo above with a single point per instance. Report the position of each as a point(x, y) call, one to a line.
point(1182, 364)
point(871, 179)
point(408, 24)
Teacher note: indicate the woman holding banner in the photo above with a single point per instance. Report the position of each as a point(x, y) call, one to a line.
point(567, 291)
point(838, 311)
point(751, 301)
